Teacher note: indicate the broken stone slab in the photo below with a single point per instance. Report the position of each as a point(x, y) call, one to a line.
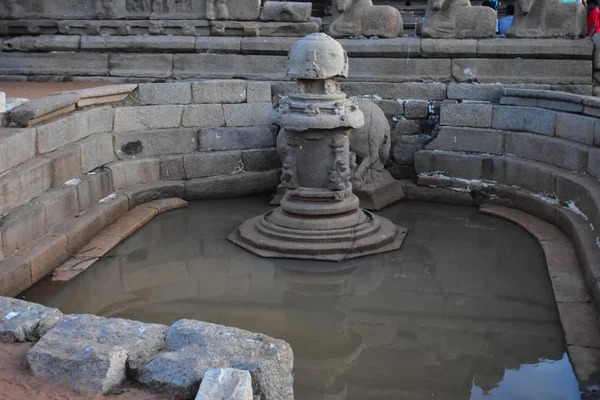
point(257, 28)
point(226, 383)
point(94, 354)
point(36, 110)
point(286, 11)
point(196, 347)
point(21, 321)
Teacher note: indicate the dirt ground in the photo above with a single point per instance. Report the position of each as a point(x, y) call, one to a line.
point(17, 384)
point(33, 90)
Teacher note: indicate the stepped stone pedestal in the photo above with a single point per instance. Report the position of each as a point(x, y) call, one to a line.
point(319, 217)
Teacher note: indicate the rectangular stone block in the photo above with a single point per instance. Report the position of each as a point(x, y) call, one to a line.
point(141, 65)
point(259, 28)
point(171, 168)
point(93, 187)
point(467, 166)
point(86, 64)
point(535, 48)
point(259, 92)
point(79, 231)
point(45, 255)
point(132, 172)
point(401, 47)
point(261, 159)
point(216, 44)
point(205, 164)
point(147, 117)
point(542, 103)
point(272, 46)
point(238, 138)
point(22, 226)
point(530, 175)
point(473, 91)
point(399, 70)
point(15, 276)
point(61, 132)
point(203, 115)
point(469, 140)
point(593, 167)
point(96, 150)
point(559, 152)
point(466, 114)
point(524, 119)
point(44, 43)
point(225, 66)
point(407, 90)
point(165, 93)
point(407, 127)
point(138, 43)
point(582, 192)
point(99, 119)
point(233, 185)
point(250, 114)
point(16, 147)
point(414, 108)
point(156, 142)
point(69, 9)
point(448, 48)
point(575, 127)
point(554, 72)
point(66, 164)
point(219, 91)
point(59, 204)
point(24, 182)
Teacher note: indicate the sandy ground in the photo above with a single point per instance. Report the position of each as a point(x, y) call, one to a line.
point(17, 384)
point(32, 90)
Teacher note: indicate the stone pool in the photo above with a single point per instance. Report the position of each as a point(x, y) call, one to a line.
point(465, 310)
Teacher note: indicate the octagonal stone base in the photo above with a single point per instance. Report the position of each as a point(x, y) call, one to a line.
point(372, 235)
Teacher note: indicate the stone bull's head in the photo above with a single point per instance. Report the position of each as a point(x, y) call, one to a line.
point(342, 5)
point(526, 5)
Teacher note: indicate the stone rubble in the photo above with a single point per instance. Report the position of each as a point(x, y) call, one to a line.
point(21, 321)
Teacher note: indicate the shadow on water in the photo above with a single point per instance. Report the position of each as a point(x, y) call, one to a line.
point(464, 310)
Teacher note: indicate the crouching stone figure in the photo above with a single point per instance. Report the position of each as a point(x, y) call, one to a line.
point(446, 19)
point(548, 18)
point(362, 18)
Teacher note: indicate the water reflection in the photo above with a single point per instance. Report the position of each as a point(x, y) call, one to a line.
point(463, 310)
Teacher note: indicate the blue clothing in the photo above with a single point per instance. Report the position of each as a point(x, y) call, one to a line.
point(504, 24)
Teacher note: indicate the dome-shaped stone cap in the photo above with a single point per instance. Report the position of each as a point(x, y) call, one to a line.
point(317, 56)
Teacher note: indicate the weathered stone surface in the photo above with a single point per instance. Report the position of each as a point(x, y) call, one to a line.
point(542, 103)
point(93, 187)
point(235, 10)
point(155, 142)
point(18, 146)
point(446, 48)
point(197, 347)
point(458, 19)
point(250, 114)
point(466, 114)
point(531, 175)
point(469, 140)
point(522, 71)
point(141, 65)
point(165, 93)
point(24, 182)
point(96, 150)
point(361, 18)
point(136, 44)
point(203, 116)
point(61, 132)
point(26, 114)
point(535, 48)
point(171, 168)
point(400, 70)
point(93, 354)
point(131, 172)
point(45, 254)
point(404, 147)
point(586, 364)
point(238, 138)
point(408, 127)
point(15, 275)
point(44, 43)
point(22, 226)
point(233, 185)
point(415, 108)
point(168, 204)
point(575, 127)
point(215, 66)
point(259, 92)
point(259, 28)
point(145, 192)
point(274, 46)
point(531, 203)
point(216, 44)
point(545, 20)
point(582, 192)
point(579, 324)
point(565, 274)
point(286, 11)
point(219, 91)
point(524, 119)
point(59, 205)
point(201, 165)
point(66, 164)
point(408, 90)
point(99, 119)
point(21, 321)
point(261, 159)
point(385, 48)
point(82, 64)
point(467, 166)
point(226, 383)
point(481, 92)
point(593, 167)
point(147, 117)
point(559, 152)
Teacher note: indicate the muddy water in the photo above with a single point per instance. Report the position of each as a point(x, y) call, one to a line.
point(463, 311)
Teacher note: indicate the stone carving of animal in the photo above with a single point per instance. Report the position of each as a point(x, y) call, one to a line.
point(458, 19)
point(362, 18)
point(217, 9)
point(548, 18)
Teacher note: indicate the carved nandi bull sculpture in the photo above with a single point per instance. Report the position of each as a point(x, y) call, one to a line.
point(548, 18)
point(362, 18)
point(458, 19)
